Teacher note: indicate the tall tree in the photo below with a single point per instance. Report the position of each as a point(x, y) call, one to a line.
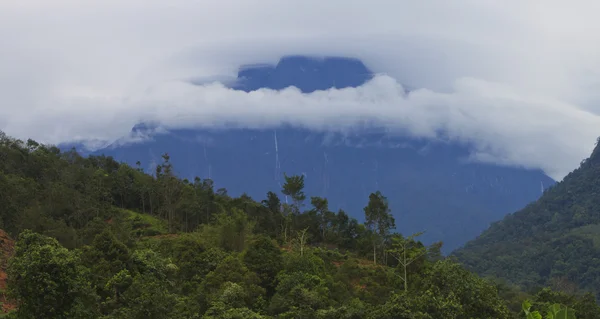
point(170, 190)
point(378, 219)
point(294, 187)
point(324, 216)
point(406, 251)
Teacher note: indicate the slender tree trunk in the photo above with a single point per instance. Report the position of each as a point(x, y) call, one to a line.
point(207, 215)
point(374, 253)
point(405, 275)
point(150, 201)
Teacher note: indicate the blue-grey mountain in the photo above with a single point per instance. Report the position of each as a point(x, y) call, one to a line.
point(428, 183)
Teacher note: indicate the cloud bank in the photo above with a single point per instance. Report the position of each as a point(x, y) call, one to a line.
point(517, 80)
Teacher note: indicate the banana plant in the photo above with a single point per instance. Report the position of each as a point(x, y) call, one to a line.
point(555, 311)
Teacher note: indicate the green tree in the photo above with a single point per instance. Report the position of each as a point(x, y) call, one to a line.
point(231, 269)
point(230, 230)
point(323, 215)
point(294, 187)
point(48, 281)
point(170, 190)
point(378, 219)
point(230, 304)
point(265, 259)
point(106, 257)
point(147, 296)
point(473, 297)
point(554, 311)
point(406, 251)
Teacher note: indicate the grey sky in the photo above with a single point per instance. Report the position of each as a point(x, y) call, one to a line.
point(519, 79)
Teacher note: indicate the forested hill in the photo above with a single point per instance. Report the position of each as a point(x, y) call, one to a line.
point(553, 241)
point(434, 188)
point(100, 239)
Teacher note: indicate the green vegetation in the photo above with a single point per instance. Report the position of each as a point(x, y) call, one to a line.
point(553, 242)
point(555, 311)
point(145, 225)
point(100, 239)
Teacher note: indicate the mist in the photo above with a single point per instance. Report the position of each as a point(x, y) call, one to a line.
point(516, 81)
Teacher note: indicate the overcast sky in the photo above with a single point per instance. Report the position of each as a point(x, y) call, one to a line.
point(518, 79)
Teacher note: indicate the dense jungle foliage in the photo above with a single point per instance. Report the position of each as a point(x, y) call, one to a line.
point(100, 239)
point(554, 241)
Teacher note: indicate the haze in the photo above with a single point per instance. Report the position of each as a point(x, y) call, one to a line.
point(519, 81)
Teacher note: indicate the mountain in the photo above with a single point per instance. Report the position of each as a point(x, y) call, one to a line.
point(429, 184)
point(555, 240)
point(99, 239)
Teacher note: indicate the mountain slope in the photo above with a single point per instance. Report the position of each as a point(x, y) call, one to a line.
point(555, 240)
point(429, 184)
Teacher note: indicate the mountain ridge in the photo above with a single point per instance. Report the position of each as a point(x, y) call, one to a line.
point(552, 239)
point(429, 184)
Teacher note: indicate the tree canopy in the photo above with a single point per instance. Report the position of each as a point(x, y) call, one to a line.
point(96, 238)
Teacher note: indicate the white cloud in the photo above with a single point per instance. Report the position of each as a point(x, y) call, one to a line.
point(519, 80)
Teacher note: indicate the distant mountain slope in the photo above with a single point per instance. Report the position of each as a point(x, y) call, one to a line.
point(308, 74)
point(428, 184)
point(555, 240)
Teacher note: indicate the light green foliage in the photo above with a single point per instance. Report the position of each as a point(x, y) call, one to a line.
point(231, 304)
point(300, 291)
point(585, 306)
point(47, 280)
point(149, 294)
point(230, 231)
point(554, 311)
point(406, 251)
point(354, 309)
point(146, 225)
point(146, 261)
point(449, 281)
point(304, 286)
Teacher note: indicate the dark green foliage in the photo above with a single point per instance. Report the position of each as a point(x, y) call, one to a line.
point(378, 220)
point(447, 292)
point(106, 257)
point(131, 245)
point(146, 297)
point(552, 242)
point(293, 187)
point(584, 306)
point(232, 270)
point(264, 258)
point(47, 279)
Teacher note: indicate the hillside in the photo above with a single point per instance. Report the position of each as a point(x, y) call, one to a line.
point(429, 182)
point(553, 241)
point(100, 239)
point(6, 252)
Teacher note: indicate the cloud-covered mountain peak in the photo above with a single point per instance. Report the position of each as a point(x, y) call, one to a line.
point(306, 73)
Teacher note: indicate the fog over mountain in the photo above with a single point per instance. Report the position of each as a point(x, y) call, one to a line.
point(519, 80)
point(434, 184)
point(503, 83)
